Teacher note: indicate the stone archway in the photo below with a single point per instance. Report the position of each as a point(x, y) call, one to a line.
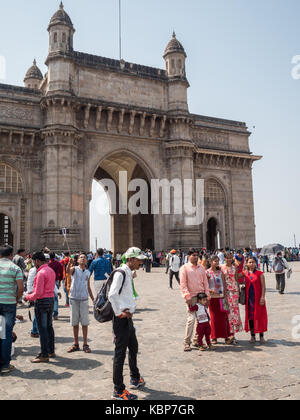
point(212, 234)
point(6, 234)
point(126, 229)
point(216, 229)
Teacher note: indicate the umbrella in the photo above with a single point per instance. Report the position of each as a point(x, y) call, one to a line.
point(272, 249)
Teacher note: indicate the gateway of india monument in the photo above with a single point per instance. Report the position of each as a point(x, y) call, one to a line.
point(90, 117)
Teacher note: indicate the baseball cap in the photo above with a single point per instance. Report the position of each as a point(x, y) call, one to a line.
point(134, 253)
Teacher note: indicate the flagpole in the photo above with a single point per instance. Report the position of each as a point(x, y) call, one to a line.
point(120, 29)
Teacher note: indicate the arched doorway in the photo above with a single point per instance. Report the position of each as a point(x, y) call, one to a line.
point(212, 234)
point(100, 219)
point(216, 218)
point(6, 235)
point(128, 229)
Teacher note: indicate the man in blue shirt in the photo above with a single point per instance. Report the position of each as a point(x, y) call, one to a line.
point(101, 268)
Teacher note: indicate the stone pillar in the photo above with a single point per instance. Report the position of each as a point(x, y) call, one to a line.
point(63, 204)
point(180, 161)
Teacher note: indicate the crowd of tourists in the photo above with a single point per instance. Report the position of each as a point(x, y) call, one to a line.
point(213, 285)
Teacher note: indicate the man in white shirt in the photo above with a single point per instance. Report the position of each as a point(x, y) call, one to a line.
point(123, 305)
point(175, 264)
point(168, 256)
point(221, 256)
point(279, 266)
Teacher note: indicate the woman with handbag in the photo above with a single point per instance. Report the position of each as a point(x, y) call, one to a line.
point(218, 306)
point(256, 320)
point(232, 288)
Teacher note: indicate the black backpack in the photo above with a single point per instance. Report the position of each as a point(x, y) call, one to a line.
point(103, 311)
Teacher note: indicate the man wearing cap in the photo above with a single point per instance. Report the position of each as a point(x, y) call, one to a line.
point(174, 267)
point(123, 304)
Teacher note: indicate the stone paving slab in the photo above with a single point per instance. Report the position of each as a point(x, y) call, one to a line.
point(245, 372)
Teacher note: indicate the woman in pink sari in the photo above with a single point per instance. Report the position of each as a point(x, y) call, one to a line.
point(232, 287)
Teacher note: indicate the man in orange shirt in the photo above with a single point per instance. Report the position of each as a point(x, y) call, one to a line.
point(193, 280)
point(66, 277)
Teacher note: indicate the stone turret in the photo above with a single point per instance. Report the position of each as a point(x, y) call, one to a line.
point(175, 58)
point(61, 32)
point(33, 77)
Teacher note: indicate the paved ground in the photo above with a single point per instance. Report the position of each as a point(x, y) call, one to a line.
point(241, 372)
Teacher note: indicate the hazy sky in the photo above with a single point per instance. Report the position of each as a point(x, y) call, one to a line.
point(239, 66)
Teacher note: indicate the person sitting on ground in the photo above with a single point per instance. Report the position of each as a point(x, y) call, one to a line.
point(79, 301)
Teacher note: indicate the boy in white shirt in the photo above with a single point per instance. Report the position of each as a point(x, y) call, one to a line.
point(203, 328)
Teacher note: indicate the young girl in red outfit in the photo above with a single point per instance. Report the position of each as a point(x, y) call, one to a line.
point(203, 328)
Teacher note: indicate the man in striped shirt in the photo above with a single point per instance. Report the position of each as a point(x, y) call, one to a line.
point(11, 290)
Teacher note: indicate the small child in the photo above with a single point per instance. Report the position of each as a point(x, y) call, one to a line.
point(203, 328)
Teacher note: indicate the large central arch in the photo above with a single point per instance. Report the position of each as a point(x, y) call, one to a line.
point(127, 230)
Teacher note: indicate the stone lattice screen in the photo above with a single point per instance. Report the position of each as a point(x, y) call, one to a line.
point(214, 191)
point(10, 180)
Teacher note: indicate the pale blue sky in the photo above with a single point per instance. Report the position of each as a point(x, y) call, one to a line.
point(239, 67)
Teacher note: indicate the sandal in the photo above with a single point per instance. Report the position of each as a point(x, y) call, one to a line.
point(187, 348)
point(87, 349)
point(229, 340)
point(74, 348)
point(214, 342)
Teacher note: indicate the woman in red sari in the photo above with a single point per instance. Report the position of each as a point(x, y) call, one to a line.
point(219, 319)
point(256, 320)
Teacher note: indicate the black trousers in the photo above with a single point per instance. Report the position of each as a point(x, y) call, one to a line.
point(251, 325)
point(280, 282)
point(265, 264)
point(167, 266)
point(172, 274)
point(125, 337)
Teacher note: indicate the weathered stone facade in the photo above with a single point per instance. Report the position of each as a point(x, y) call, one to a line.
point(91, 117)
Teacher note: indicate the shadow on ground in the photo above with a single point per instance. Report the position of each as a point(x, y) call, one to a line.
point(163, 395)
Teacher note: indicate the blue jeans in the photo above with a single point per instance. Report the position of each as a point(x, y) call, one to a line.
point(66, 292)
point(55, 309)
point(9, 313)
point(43, 312)
point(34, 326)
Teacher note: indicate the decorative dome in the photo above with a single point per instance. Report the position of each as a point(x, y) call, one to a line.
point(174, 46)
point(34, 72)
point(61, 17)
